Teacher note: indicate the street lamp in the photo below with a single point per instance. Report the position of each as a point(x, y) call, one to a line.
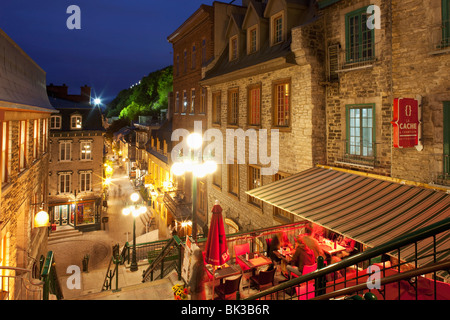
point(135, 210)
point(198, 168)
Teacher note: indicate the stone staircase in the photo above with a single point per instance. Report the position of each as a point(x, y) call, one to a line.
point(63, 234)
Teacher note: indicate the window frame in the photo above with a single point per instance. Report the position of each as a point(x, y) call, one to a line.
point(85, 175)
point(5, 148)
point(350, 54)
point(89, 143)
point(360, 106)
point(275, 115)
point(233, 178)
point(251, 105)
point(203, 100)
point(23, 144)
point(252, 169)
point(76, 116)
point(193, 57)
point(53, 122)
point(216, 108)
point(233, 107)
point(67, 184)
point(234, 48)
point(274, 34)
point(445, 11)
point(69, 152)
point(250, 40)
point(192, 102)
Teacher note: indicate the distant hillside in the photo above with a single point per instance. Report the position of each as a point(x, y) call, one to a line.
point(144, 99)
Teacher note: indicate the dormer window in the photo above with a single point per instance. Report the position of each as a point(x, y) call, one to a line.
point(277, 29)
point(75, 122)
point(252, 40)
point(233, 48)
point(55, 122)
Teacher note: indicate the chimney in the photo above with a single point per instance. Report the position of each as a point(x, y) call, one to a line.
point(86, 94)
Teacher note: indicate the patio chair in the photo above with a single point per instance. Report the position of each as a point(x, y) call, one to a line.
point(264, 278)
point(241, 249)
point(228, 289)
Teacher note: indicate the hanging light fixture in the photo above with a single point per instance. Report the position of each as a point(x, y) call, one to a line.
point(41, 219)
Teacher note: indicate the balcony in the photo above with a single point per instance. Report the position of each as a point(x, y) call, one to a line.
point(353, 58)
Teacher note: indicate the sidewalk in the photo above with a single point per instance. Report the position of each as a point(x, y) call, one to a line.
point(98, 245)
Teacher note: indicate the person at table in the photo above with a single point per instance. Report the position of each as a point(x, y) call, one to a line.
point(303, 256)
point(285, 243)
point(275, 245)
point(198, 277)
point(349, 245)
point(313, 244)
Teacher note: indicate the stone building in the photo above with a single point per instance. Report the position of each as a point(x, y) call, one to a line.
point(266, 78)
point(420, 70)
point(24, 117)
point(76, 165)
point(193, 48)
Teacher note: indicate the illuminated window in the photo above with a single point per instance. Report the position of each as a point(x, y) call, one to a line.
point(75, 122)
point(233, 179)
point(281, 101)
point(5, 147)
point(86, 151)
point(23, 144)
point(36, 136)
point(254, 105)
point(277, 29)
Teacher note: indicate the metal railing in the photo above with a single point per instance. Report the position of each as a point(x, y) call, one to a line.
point(170, 253)
point(360, 154)
point(50, 279)
point(17, 284)
point(400, 276)
point(357, 56)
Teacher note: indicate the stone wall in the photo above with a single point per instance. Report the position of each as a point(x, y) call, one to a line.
point(368, 83)
point(421, 69)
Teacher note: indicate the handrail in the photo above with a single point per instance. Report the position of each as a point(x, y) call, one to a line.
point(160, 258)
point(49, 277)
point(390, 279)
point(390, 246)
point(29, 285)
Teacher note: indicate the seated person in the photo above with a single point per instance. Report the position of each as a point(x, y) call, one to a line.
point(275, 245)
point(349, 245)
point(285, 243)
point(302, 256)
point(313, 244)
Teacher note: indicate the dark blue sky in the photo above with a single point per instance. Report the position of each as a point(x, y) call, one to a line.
point(120, 41)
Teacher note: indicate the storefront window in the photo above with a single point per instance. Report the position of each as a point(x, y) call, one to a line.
point(85, 213)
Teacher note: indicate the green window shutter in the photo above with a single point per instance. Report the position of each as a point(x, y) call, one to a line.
point(446, 137)
point(445, 22)
point(360, 43)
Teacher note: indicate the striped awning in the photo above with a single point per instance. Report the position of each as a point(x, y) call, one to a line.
point(369, 210)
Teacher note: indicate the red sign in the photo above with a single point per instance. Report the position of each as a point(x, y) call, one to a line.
point(406, 123)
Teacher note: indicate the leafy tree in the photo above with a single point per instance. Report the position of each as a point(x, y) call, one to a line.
point(145, 99)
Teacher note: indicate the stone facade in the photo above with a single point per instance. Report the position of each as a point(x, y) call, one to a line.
point(301, 144)
point(76, 165)
point(420, 68)
point(23, 160)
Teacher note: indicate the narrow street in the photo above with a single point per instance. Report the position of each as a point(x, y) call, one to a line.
point(98, 244)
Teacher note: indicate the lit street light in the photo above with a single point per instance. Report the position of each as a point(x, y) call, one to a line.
point(198, 168)
point(135, 211)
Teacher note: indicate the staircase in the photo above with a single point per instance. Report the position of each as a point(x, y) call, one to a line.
point(63, 234)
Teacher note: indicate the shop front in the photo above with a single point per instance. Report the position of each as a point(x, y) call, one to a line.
point(83, 215)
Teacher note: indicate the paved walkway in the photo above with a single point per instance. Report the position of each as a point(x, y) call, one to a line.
point(98, 245)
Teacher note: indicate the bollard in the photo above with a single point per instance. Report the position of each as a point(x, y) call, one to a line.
point(86, 263)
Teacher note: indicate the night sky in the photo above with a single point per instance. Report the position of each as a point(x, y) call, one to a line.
point(119, 42)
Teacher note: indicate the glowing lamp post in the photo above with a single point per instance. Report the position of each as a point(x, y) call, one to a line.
point(136, 211)
point(198, 168)
point(41, 219)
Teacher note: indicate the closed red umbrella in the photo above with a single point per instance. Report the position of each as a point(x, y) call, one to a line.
point(216, 252)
